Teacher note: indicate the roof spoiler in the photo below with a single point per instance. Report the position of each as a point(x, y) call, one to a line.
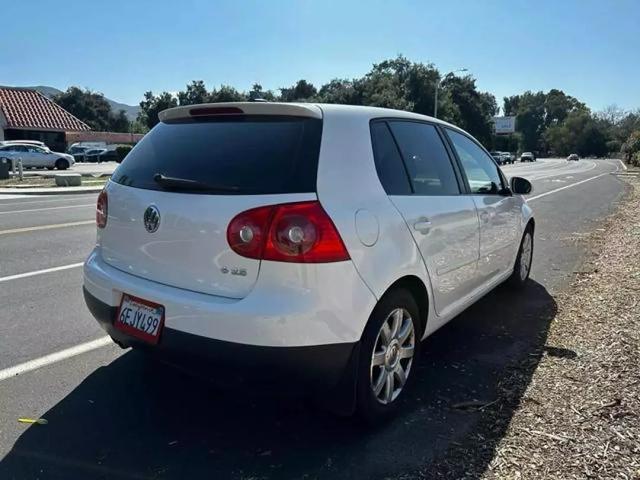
point(240, 108)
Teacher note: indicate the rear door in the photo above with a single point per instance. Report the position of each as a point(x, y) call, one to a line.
point(498, 210)
point(246, 161)
point(426, 190)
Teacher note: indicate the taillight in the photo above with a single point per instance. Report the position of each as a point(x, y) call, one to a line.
point(102, 208)
point(292, 232)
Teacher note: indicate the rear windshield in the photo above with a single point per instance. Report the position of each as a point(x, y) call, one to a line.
point(251, 154)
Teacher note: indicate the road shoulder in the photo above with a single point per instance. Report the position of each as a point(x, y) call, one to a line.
point(578, 417)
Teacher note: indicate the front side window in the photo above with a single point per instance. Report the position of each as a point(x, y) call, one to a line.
point(480, 169)
point(425, 156)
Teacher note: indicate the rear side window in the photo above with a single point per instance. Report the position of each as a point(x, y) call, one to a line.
point(391, 171)
point(252, 154)
point(427, 161)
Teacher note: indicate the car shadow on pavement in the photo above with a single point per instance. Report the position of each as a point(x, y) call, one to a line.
point(137, 419)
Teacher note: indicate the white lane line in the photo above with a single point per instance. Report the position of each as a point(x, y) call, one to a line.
point(48, 208)
point(58, 199)
point(39, 272)
point(531, 199)
point(624, 167)
point(54, 358)
point(45, 227)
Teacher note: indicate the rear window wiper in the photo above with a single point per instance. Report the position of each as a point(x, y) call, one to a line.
point(175, 183)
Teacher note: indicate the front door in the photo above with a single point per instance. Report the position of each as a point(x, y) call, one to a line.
point(498, 210)
point(442, 221)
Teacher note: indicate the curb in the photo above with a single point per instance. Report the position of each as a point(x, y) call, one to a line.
point(49, 191)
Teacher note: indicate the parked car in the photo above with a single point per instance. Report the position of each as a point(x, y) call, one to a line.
point(573, 157)
point(245, 248)
point(81, 147)
point(23, 142)
point(527, 157)
point(99, 155)
point(35, 156)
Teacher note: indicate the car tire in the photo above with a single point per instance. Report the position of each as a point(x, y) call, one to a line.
point(522, 268)
point(62, 164)
point(49, 168)
point(389, 349)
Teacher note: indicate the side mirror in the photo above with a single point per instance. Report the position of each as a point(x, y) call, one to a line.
point(521, 186)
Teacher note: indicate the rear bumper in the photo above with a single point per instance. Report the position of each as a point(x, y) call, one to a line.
point(295, 369)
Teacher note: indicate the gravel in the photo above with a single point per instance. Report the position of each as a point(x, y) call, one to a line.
point(579, 416)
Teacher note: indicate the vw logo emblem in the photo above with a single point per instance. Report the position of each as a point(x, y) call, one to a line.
point(151, 219)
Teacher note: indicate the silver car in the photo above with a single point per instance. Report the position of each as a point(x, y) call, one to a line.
point(35, 156)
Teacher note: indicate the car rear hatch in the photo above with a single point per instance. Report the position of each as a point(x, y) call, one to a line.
point(171, 200)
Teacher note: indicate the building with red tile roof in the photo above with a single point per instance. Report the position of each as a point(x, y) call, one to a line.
point(26, 114)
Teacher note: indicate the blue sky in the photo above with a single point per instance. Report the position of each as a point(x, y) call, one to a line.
point(589, 49)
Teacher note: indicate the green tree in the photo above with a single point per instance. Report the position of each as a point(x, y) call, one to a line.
point(93, 109)
point(227, 93)
point(339, 91)
point(471, 110)
point(151, 106)
point(301, 91)
point(580, 133)
point(257, 92)
point(631, 148)
point(196, 92)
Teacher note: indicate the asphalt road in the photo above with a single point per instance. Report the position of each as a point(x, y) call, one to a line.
point(111, 414)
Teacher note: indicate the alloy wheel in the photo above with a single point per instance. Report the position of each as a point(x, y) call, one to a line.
point(392, 356)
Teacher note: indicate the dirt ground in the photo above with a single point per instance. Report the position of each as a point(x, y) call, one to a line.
point(580, 414)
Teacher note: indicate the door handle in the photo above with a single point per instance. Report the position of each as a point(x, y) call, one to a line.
point(423, 226)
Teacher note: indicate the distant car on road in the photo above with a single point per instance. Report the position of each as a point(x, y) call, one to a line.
point(35, 156)
point(508, 158)
point(248, 243)
point(527, 157)
point(498, 157)
point(573, 157)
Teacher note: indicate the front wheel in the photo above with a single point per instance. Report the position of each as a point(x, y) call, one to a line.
point(522, 267)
point(389, 348)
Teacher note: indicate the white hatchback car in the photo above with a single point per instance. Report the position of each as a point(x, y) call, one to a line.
point(302, 244)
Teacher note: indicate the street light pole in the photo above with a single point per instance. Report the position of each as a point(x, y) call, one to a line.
point(435, 102)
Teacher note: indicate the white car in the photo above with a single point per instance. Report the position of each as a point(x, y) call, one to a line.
point(302, 244)
point(35, 156)
point(527, 157)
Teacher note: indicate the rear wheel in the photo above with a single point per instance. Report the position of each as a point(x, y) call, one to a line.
point(522, 268)
point(62, 164)
point(389, 348)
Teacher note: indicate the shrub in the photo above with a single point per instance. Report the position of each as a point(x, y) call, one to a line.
point(122, 151)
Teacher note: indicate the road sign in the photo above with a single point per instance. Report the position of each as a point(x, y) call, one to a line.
point(505, 125)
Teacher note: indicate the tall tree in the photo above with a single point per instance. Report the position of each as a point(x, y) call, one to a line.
point(195, 93)
point(473, 110)
point(151, 106)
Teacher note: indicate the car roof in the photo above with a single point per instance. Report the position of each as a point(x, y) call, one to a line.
point(312, 110)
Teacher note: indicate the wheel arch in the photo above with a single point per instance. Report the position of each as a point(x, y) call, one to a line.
point(419, 291)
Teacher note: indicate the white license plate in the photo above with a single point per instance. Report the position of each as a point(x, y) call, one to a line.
point(140, 318)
